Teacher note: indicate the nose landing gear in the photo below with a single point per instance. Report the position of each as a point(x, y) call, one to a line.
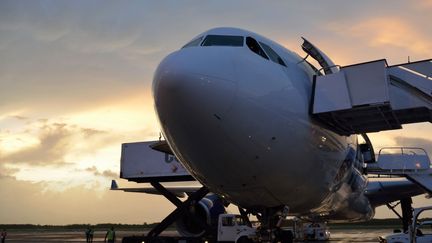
point(271, 226)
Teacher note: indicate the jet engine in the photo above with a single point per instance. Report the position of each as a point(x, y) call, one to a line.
point(206, 211)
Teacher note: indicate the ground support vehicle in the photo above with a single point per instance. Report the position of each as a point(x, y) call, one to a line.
point(418, 232)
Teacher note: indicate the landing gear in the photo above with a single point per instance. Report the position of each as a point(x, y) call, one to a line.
point(244, 213)
point(271, 222)
point(407, 209)
point(182, 208)
point(311, 230)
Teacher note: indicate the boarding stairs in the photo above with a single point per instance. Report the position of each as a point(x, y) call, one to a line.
point(372, 96)
point(412, 163)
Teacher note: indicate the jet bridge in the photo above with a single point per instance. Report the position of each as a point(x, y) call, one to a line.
point(372, 96)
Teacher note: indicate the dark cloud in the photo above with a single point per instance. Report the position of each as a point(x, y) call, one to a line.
point(110, 174)
point(88, 132)
point(54, 143)
point(106, 173)
point(20, 117)
point(57, 140)
point(7, 172)
point(92, 169)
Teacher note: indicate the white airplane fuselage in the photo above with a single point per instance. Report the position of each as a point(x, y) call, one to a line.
point(240, 124)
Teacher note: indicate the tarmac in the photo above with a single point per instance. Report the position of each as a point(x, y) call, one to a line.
point(337, 235)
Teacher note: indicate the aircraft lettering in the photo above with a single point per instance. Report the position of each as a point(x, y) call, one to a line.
point(170, 158)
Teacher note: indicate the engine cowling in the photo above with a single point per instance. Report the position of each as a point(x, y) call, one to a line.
point(207, 211)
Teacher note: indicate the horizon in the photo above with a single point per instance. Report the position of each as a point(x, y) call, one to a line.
point(146, 224)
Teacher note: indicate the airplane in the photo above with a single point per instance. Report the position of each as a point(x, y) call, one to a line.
point(263, 128)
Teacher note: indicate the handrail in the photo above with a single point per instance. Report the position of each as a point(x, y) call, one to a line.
point(402, 149)
point(304, 59)
point(405, 165)
point(328, 67)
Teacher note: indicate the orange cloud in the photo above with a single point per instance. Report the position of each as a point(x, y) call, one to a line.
point(424, 4)
point(387, 33)
point(393, 32)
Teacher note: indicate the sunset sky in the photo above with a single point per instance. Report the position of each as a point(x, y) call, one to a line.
point(75, 80)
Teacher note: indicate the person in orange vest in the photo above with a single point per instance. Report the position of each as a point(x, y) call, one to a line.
point(110, 236)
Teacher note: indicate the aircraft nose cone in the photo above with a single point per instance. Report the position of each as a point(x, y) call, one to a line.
point(192, 88)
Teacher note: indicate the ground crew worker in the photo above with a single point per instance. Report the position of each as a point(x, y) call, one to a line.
point(87, 233)
point(91, 233)
point(110, 236)
point(3, 236)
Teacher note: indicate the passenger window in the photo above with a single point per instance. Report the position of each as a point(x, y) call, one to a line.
point(272, 54)
point(240, 221)
point(223, 40)
point(195, 42)
point(227, 221)
point(255, 47)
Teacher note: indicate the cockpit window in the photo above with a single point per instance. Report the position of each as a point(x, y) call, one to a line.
point(194, 42)
point(272, 54)
point(255, 47)
point(223, 40)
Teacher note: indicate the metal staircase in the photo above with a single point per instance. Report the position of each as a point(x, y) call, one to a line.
point(372, 96)
point(412, 163)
